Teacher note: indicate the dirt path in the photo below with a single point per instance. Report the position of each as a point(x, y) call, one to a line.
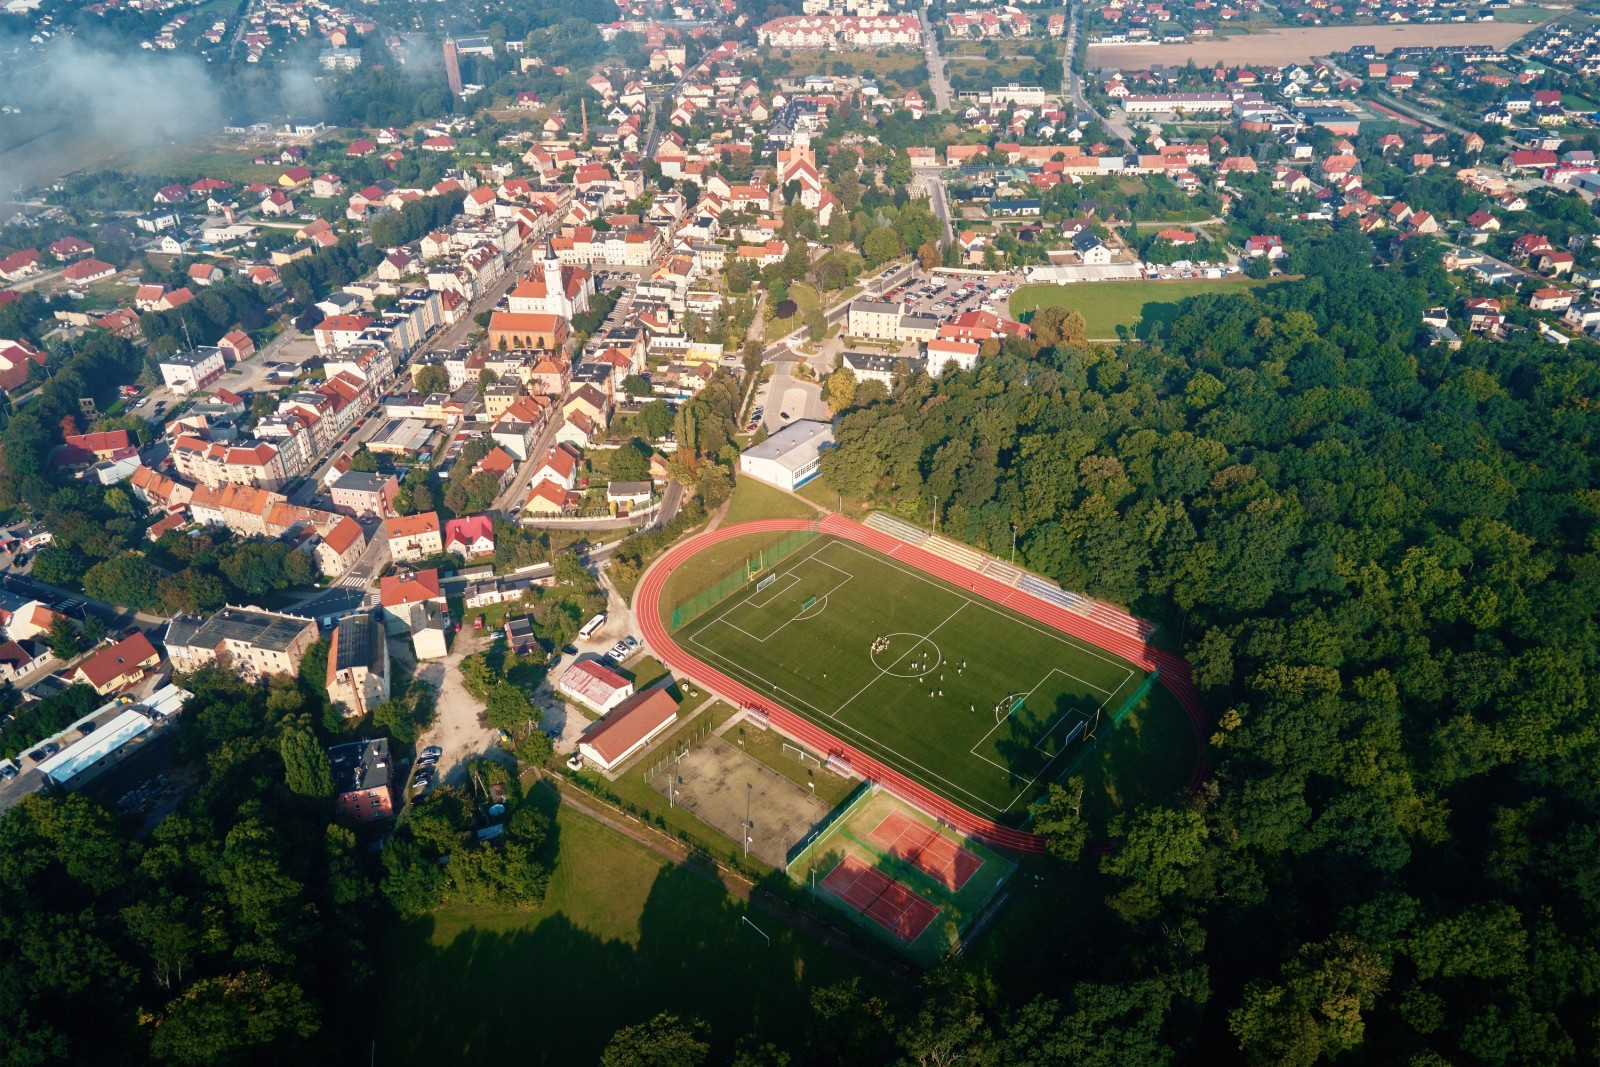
point(458, 724)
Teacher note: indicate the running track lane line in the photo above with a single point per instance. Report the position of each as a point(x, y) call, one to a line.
point(1175, 671)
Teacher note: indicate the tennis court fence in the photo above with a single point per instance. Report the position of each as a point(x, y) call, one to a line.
point(754, 566)
point(853, 801)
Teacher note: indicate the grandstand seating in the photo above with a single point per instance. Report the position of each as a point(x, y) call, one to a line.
point(955, 552)
point(1001, 571)
point(1035, 586)
point(1120, 621)
point(899, 529)
point(966, 556)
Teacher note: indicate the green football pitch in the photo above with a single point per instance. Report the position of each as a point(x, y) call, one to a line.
point(971, 700)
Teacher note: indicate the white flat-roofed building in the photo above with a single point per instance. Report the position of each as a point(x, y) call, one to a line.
point(789, 458)
point(1166, 103)
point(113, 737)
point(943, 351)
point(189, 372)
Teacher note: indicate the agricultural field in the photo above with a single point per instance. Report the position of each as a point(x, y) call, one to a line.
point(1147, 306)
point(1300, 44)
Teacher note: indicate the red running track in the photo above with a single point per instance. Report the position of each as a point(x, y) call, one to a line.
point(1175, 673)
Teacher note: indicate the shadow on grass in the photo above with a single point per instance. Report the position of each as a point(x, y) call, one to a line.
point(552, 986)
point(1148, 758)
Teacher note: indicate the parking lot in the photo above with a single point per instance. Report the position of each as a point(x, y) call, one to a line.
point(945, 296)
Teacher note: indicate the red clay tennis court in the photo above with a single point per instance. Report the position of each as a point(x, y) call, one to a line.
point(935, 854)
point(881, 898)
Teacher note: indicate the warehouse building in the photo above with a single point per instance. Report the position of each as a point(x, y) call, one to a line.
point(789, 458)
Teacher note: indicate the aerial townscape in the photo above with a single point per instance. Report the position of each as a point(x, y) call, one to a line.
point(1118, 485)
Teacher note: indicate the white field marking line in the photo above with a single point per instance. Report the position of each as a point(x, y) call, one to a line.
point(874, 746)
point(1062, 718)
point(866, 742)
point(777, 592)
point(820, 604)
point(821, 597)
point(984, 602)
point(973, 751)
point(884, 673)
point(919, 639)
point(736, 601)
point(1052, 760)
point(877, 747)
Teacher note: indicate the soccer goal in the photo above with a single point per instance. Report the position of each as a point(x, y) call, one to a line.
point(796, 752)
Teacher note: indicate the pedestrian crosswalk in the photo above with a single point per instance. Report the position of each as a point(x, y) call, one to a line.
point(353, 581)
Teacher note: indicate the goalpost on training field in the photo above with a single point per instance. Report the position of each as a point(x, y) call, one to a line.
point(759, 563)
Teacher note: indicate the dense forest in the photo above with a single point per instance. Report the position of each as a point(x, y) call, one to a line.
point(1380, 557)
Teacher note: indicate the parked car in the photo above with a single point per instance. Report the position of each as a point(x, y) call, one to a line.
point(432, 750)
point(631, 642)
point(8, 770)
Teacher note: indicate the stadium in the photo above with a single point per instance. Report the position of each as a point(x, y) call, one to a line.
point(960, 685)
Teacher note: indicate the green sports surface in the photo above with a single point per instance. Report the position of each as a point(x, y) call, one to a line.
point(970, 699)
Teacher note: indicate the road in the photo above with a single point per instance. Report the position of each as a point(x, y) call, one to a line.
point(1072, 82)
point(932, 180)
point(943, 99)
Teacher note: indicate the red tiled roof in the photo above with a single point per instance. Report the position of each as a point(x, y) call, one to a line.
point(398, 590)
point(120, 659)
point(629, 722)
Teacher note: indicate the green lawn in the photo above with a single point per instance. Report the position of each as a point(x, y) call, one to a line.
point(622, 935)
point(1147, 305)
point(754, 500)
point(969, 699)
point(704, 569)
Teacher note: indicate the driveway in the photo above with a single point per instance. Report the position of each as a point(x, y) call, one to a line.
point(788, 395)
point(458, 719)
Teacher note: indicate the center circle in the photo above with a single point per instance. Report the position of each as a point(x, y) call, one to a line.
point(897, 659)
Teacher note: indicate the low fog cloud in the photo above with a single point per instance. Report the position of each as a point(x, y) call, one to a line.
point(106, 102)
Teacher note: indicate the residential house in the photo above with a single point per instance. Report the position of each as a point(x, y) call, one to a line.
point(470, 537)
point(365, 495)
point(251, 642)
point(363, 780)
point(117, 666)
point(594, 685)
point(414, 537)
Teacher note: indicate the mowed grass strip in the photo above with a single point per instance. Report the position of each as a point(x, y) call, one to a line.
point(1108, 305)
point(926, 706)
point(622, 934)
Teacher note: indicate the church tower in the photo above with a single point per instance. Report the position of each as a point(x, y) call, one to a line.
point(555, 290)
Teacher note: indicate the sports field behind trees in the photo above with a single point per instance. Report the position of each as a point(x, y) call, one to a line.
point(1107, 305)
point(961, 695)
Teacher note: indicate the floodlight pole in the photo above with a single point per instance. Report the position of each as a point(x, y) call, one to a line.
point(1013, 544)
point(746, 814)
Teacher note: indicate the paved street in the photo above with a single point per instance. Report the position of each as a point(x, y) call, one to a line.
point(931, 180)
point(943, 99)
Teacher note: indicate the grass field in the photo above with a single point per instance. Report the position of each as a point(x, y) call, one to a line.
point(754, 500)
point(973, 701)
point(1147, 305)
point(622, 935)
